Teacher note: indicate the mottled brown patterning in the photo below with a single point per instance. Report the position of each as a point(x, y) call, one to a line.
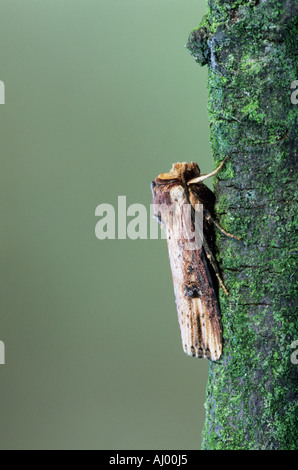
point(196, 300)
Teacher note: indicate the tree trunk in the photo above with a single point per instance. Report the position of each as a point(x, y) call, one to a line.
point(250, 48)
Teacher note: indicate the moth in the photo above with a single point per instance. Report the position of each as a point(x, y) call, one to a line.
point(194, 269)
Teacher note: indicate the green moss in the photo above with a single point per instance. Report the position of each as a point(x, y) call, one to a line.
point(253, 112)
point(250, 49)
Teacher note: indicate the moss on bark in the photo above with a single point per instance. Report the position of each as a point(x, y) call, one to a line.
point(250, 48)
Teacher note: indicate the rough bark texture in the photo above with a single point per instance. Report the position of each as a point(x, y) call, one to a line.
point(250, 48)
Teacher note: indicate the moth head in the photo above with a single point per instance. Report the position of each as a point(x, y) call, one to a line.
point(180, 173)
point(171, 188)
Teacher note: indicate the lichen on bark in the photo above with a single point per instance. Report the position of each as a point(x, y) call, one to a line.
point(250, 48)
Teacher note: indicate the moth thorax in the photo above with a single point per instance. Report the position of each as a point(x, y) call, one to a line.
point(178, 195)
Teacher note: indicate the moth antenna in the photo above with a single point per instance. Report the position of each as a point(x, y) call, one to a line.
point(201, 178)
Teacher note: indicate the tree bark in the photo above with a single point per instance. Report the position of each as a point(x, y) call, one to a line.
point(250, 47)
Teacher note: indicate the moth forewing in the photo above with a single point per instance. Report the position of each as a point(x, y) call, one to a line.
point(197, 305)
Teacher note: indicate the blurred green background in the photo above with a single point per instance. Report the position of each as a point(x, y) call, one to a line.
point(101, 96)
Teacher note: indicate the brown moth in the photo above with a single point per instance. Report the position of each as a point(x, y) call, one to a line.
point(196, 299)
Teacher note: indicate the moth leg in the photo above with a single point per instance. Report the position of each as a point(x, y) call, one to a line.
point(214, 265)
point(209, 217)
point(201, 178)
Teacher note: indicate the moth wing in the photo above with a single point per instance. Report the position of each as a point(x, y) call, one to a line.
point(197, 305)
